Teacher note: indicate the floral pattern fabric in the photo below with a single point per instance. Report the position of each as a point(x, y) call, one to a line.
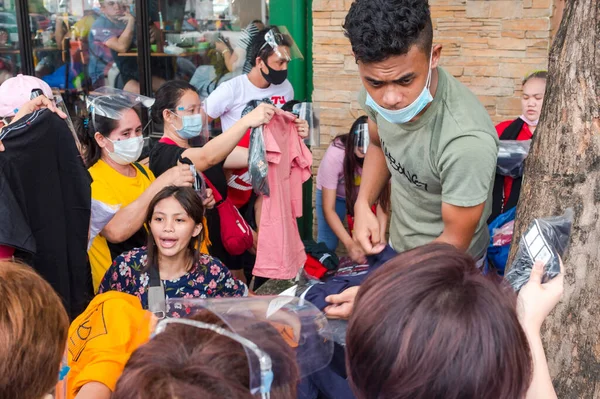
point(208, 278)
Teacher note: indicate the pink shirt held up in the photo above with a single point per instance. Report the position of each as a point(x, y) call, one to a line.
point(280, 253)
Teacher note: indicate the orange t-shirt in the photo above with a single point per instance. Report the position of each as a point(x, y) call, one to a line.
point(103, 337)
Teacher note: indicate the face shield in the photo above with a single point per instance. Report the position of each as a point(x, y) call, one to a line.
point(282, 43)
point(361, 138)
point(111, 103)
point(251, 321)
point(309, 113)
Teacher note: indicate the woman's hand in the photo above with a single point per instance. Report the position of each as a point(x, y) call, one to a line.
point(179, 175)
point(33, 105)
point(261, 115)
point(302, 127)
point(342, 304)
point(209, 202)
point(356, 253)
point(536, 300)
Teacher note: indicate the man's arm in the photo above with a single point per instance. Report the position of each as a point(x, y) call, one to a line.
point(459, 224)
point(375, 176)
point(375, 173)
point(122, 43)
point(94, 390)
point(467, 167)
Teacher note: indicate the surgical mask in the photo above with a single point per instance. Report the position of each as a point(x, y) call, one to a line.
point(127, 151)
point(407, 113)
point(191, 126)
point(529, 122)
point(275, 77)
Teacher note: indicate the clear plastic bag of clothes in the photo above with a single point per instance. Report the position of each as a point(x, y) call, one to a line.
point(511, 157)
point(258, 167)
point(546, 240)
point(504, 234)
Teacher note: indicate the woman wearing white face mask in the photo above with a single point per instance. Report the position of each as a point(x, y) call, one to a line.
point(121, 188)
point(506, 188)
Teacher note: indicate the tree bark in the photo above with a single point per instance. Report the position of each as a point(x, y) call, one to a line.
point(563, 170)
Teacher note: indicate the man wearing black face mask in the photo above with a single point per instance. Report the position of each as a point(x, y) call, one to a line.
point(270, 51)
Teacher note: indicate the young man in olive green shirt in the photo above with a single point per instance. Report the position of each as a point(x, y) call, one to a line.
point(429, 134)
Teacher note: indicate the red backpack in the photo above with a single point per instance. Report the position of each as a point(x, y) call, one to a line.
point(236, 234)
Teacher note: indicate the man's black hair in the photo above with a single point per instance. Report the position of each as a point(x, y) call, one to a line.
point(258, 47)
point(379, 29)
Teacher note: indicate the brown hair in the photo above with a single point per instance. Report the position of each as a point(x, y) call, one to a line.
point(188, 362)
point(33, 333)
point(428, 324)
point(192, 204)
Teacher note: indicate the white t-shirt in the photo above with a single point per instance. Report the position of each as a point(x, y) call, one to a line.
point(231, 97)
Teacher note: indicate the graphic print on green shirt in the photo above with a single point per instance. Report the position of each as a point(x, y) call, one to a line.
point(447, 155)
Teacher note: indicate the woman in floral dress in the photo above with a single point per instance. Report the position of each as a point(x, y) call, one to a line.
point(175, 221)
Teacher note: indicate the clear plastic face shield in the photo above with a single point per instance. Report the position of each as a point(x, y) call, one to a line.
point(60, 104)
point(310, 114)
point(255, 323)
point(361, 138)
point(282, 43)
point(112, 103)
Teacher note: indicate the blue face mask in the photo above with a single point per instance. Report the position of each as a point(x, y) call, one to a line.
point(407, 113)
point(192, 126)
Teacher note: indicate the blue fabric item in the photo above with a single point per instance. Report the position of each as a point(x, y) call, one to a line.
point(57, 78)
point(498, 255)
point(324, 232)
point(330, 382)
point(318, 292)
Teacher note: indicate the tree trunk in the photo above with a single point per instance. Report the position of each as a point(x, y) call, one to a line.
point(563, 170)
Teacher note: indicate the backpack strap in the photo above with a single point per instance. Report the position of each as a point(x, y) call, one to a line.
point(156, 293)
point(141, 169)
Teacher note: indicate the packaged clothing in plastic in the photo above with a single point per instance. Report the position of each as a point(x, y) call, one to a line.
point(258, 166)
point(257, 162)
point(511, 157)
point(497, 252)
point(545, 240)
point(504, 234)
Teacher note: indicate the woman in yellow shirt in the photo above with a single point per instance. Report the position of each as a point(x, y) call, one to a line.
point(121, 188)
